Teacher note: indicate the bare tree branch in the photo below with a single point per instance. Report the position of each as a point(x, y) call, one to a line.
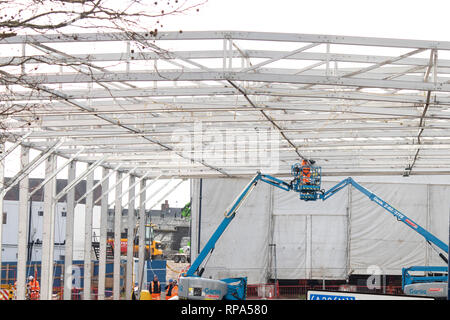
point(23, 17)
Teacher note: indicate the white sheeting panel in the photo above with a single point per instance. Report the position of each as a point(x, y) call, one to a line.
point(243, 249)
point(377, 239)
point(328, 247)
point(311, 236)
point(439, 203)
point(290, 237)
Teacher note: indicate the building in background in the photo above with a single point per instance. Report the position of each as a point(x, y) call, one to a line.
point(170, 226)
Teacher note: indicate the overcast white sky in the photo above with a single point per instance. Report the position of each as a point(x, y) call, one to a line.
point(407, 19)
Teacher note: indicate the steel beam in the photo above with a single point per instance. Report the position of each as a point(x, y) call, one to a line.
point(117, 236)
point(54, 174)
point(216, 54)
point(239, 76)
point(235, 35)
point(132, 184)
point(22, 234)
point(88, 238)
point(114, 187)
point(48, 231)
point(99, 183)
point(129, 285)
point(55, 93)
point(32, 165)
point(14, 146)
point(280, 57)
point(80, 177)
point(145, 187)
point(70, 218)
point(142, 222)
point(103, 234)
point(354, 111)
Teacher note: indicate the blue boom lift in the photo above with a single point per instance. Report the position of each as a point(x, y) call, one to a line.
point(307, 183)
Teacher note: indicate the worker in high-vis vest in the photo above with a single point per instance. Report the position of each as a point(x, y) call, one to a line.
point(306, 172)
point(33, 288)
point(155, 289)
point(171, 289)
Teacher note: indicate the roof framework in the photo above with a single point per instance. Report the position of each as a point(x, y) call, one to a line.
point(226, 103)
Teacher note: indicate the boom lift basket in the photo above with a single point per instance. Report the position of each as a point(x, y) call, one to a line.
point(307, 185)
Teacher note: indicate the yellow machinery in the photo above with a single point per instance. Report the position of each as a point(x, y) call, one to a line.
point(145, 295)
point(152, 247)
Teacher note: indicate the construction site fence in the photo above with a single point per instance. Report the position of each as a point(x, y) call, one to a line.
point(299, 292)
point(9, 277)
point(254, 291)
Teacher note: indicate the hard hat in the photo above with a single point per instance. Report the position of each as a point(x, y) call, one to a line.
point(30, 278)
point(170, 280)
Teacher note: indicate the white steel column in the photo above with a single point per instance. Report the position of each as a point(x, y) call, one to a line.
point(130, 241)
point(48, 230)
point(70, 210)
point(103, 225)
point(22, 234)
point(349, 230)
point(308, 257)
point(142, 220)
point(117, 236)
point(88, 238)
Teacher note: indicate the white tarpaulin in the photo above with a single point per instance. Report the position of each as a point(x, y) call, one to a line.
point(439, 203)
point(377, 238)
point(311, 236)
point(345, 234)
point(290, 235)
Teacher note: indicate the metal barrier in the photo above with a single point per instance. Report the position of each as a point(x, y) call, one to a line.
point(254, 291)
point(298, 292)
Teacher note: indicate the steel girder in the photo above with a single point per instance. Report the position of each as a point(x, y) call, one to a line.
point(186, 104)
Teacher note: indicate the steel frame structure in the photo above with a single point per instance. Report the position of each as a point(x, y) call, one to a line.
point(386, 112)
point(183, 105)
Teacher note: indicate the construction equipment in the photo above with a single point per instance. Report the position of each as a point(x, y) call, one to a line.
point(153, 248)
point(429, 285)
point(193, 286)
point(183, 255)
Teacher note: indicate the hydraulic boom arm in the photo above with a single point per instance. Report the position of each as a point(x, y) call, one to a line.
point(400, 216)
point(307, 183)
point(229, 215)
